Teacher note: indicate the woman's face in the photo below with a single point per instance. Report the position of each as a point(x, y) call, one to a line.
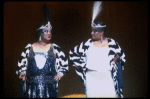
point(46, 35)
point(97, 35)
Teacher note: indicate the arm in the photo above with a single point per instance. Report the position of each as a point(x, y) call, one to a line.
point(78, 58)
point(120, 54)
point(61, 62)
point(116, 52)
point(22, 62)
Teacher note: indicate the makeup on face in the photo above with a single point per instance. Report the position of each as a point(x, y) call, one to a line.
point(97, 34)
point(97, 30)
point(46, 34)
point(47, 30)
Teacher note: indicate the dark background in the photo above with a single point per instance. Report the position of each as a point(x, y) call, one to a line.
point(127, 23)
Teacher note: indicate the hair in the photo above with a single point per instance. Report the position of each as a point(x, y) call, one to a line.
point(38, 31)
point(101, 23)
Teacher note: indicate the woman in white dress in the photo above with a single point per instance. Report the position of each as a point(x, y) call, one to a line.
point(93, 63)
point(98, 76)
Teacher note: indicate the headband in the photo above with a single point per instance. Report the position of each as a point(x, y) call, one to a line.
point(48, 25)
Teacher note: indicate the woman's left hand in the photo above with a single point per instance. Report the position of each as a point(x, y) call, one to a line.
point(57, 77)
point(116, 57)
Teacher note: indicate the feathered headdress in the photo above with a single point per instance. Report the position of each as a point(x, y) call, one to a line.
point(96, 10)
point(47, 16)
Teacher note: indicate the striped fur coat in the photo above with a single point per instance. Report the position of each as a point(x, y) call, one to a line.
point(61, 65)
point(77, 57)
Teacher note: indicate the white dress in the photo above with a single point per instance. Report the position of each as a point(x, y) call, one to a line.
point(99, 83)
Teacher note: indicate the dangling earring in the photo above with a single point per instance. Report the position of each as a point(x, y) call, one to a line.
point(101, 39)
point(40, 38)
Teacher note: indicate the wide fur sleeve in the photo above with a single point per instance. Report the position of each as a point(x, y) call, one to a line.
point(121, 54)
point(78, 58)
point(61, 60)
point(23, 61)
point(115, 48)
point(77, 54)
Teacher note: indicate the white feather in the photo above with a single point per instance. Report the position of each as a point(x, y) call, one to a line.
point(96, 9)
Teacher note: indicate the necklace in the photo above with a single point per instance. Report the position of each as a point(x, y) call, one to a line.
point(102, 39)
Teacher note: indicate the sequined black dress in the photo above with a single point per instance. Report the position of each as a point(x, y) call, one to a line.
point(40, 74)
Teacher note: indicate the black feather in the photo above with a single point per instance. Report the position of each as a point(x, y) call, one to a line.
point(46, 12)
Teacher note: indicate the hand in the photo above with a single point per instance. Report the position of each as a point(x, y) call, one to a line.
point(116, 57)
point(22, 76)
point(57, 77)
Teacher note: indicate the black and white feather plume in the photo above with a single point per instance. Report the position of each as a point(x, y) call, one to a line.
point(97, 7)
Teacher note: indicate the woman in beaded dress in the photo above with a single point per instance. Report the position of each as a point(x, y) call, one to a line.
point(41, 65)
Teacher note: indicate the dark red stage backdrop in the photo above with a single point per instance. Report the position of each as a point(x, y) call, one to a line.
point(127, 23)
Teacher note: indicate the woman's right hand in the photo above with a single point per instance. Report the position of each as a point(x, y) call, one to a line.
point(22, 76)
